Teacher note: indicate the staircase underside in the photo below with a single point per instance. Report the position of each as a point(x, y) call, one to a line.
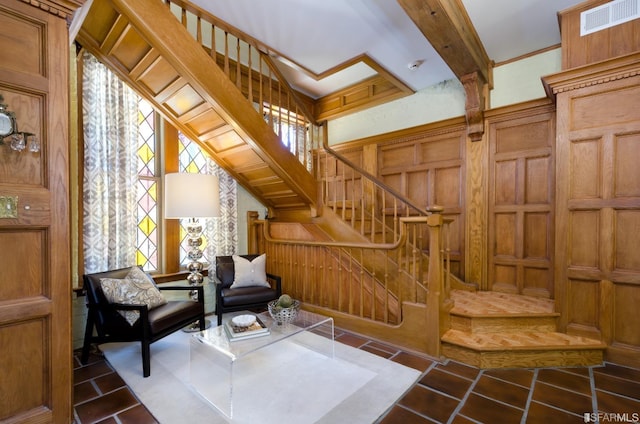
point(500, 330)
point(146, 46)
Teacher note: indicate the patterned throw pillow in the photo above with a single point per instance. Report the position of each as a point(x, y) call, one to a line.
point(137, 288)
point(250, 273)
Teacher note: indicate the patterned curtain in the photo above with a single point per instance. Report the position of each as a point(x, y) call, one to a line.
point(109, 111)
point(223, 231)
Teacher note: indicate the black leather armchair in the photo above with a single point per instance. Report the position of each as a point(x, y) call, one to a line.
point(152, 325)
point(238, 299)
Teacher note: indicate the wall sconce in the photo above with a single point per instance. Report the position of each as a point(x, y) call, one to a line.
point(19, 140)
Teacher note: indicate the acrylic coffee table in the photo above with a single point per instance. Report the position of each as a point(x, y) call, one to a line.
point(221, 370)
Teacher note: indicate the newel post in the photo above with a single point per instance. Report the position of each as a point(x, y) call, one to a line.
point(437, 303)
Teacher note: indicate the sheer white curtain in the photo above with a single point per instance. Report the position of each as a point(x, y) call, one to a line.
point(109, 112)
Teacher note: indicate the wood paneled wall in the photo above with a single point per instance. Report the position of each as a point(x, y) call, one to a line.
point(598, 204)
point(521, 200)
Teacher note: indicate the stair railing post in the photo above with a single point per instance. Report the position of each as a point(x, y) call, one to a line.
point(437, 305)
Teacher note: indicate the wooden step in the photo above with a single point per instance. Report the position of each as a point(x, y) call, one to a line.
point(495, 312)
point(523, 349)
point(498, 330)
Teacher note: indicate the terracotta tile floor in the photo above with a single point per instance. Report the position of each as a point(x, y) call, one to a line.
point(448, 392)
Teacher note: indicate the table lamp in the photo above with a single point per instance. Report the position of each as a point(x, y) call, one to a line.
point(192, 196)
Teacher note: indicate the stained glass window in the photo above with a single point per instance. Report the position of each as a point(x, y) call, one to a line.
point(147, 190)
point(192, 159)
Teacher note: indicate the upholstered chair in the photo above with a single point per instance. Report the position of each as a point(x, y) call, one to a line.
point(249, 288)
point(123, 307)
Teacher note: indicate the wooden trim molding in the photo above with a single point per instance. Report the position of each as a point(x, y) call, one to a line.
point(363, 95)
point(61, 8)
point(598, 73)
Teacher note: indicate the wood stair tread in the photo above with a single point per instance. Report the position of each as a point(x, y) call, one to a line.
point(524, 340)
point(498, 304)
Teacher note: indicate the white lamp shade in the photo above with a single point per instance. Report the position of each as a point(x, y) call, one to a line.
point(188, 195)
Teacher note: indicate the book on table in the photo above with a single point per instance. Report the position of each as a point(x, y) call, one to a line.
point(256, 329)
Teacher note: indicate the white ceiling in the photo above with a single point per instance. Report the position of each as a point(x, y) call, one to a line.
point(320, 35)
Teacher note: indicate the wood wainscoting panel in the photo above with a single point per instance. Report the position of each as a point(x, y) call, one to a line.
point(521, 200)
point(598, 205)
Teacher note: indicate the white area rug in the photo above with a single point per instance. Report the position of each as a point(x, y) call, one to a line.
point(353, 387)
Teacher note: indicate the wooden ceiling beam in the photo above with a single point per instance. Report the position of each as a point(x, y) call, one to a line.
point(449, 30)
point(447, 26)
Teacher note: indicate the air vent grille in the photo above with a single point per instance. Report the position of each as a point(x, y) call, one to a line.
point(608, 15)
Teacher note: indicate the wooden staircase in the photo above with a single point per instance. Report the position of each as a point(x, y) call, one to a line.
point(500, 330)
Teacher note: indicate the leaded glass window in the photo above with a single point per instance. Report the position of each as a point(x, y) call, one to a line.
point(191, 159)
point(147, 190)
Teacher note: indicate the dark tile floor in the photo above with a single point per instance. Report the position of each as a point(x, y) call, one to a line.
point(448, 392)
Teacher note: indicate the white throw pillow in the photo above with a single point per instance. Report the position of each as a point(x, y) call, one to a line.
point(250, 273)
point(135, 289)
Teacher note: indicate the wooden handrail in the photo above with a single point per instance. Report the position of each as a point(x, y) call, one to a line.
point(351, 245)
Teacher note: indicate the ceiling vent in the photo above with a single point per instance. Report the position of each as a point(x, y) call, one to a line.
point(608, 15)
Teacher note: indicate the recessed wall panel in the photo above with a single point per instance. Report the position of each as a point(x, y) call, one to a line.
point(537, 187)
point(527, 136)
point(627, 241)
point(536, 231)
point(448, 187)
point(505, 242)
point(625, 326)
point(584, 241)
point(417, 183)
point(584, 302)
point(437, 150)
point(627, 166)
point(505, 183)
point(537, 281)
point(505, 276)
point(585, 170)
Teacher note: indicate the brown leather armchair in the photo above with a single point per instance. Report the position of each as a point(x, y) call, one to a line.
point(152, 325)
point(238, 299)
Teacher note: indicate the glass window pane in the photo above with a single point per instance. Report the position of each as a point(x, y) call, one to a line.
point(147, 190)
point(192, 159)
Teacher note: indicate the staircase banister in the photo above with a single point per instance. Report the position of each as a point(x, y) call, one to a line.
point(214, 20)
point(402, 237)
point(374, 179)
point(265, 51)
point(283, 81)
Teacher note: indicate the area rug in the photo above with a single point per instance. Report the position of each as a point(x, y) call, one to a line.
point(354, 386)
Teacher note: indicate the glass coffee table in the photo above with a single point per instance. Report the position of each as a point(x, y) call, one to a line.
point(224, 371)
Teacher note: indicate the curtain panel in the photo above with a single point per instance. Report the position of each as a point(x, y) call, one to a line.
point(223, 231)
point(109, 112)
